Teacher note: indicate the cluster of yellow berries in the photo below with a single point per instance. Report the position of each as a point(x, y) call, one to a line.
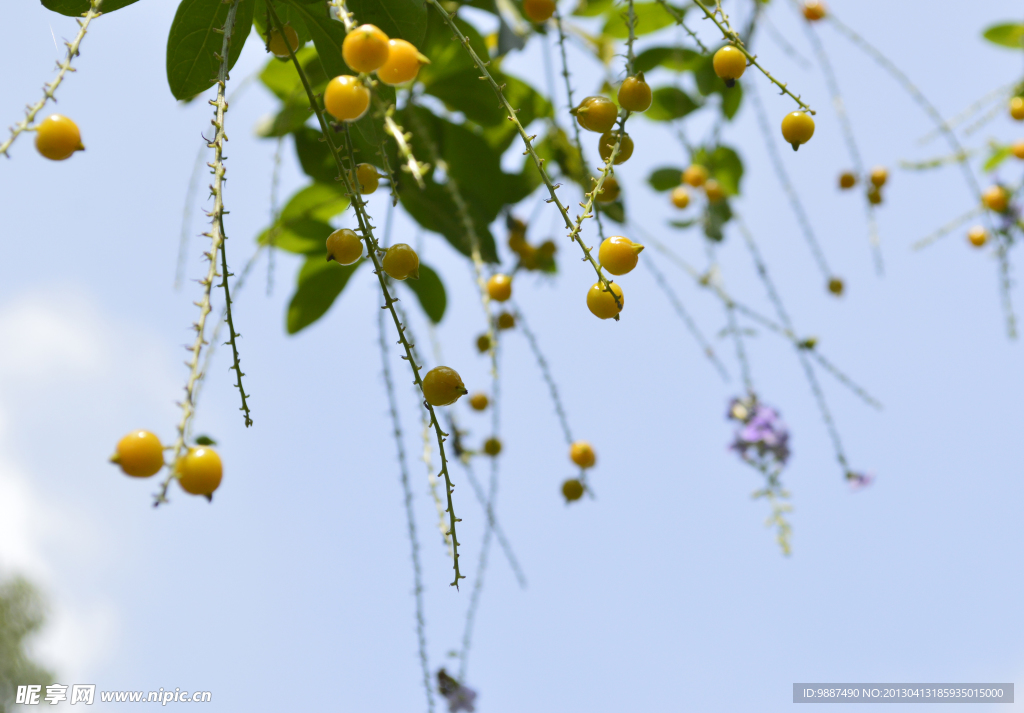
point(367, 49)
point(696, 176)
point(141, 455)
point(599, 114)
point(539, 257)
point(996, 199)
point(618, 255)
point(582, 454)
point(57, 137)
point(878, 177)
point(400, 261)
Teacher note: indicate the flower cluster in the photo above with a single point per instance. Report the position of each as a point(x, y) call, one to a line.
point(459, 697)
point(761, 438)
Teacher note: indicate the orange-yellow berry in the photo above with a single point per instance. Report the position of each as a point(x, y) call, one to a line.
point(607, 143)
point(582, 454)
point(874, 195)
point(978, 236)
point(492, 447)
point(345, 98)
point(443, 386)
point(695, 175)
point(506, 320)
point(995, 199)
point(597, 114)
point(139, 454)
point(403, 63)
point(619, 255)
point(499, 287)
point(401, 262)
point(680, 197)
point(279, 44)
point(539, 10)
point(879, 175)
point(814, 10)
point(797, 128)
point(365, 48)
point(479, 401)
point(366, 177)
point(602, 303)
point(847, 180)
point(1017, 108)
point(635, 93)
point(200, 471)
point(483, 343)
point(729, 64)
point(836, 286)
point(714, 191)
point(1018, 149)
point(57, 137)
point(344, 246)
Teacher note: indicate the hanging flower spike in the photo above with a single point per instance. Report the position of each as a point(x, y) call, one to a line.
point(459, 697)
point(859, 481)
point(761, 430)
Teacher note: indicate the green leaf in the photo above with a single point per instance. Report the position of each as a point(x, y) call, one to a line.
point(195, 41)
point(446, 56)
point(1010, 35)
point(669, 104)
point(430, 292)
point(319, 283)
point(434, 209)
point(319, 201)
point(665, 179)
point(463, 91)
point(405, 19)
point(716, 215)
point(724, 165)
point(557, 148)
point(676, 59)
point(327, 35)
point(205, 440)
point(592, 8)
point(999, 154)
point(288, 16)
point(650, 16)
point(77, 8)
point(731, 99)
point(280, 77)
point(303, 224)
point(303, 236)
point(616, 211)
point(683, 224)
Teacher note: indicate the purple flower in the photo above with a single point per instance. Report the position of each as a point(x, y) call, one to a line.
point(859, 481)
point(459, 697)
point(760, 432)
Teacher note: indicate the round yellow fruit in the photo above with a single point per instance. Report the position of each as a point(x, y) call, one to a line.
point(635, 93)
point(443, 386)
point(602, 303)
point(344, 246)
point(797, 128)
point(57, 137)
point(365, 48)
point(345, 98)
point(619, 255)
point(401, 262)
point(582, 454)
point(200, 471)
point(499, 287)
point(680, 197)
point(139, 454)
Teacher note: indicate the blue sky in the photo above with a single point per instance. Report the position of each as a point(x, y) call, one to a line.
point(666, 592)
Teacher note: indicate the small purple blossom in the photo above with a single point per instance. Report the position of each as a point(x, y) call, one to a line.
point(859, 481)
point(761, 437)
point(459, 697)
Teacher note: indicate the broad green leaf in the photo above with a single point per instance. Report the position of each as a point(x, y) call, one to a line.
point(292, 117)
point(434, 209)
point(731, 99)
point(77, 8)
point(317, 161)
point(327, 34)
point(463, 91)
point(669, 104)
point(724, 165)
point(556, 148)
point(665, 179)
point(676, 59)
point(195, 42)
point(1010, 35)
point(302, 226)
point(592, 8)
point(430, 292)
point(302, 236)
point(683, 224)
point(616, 211)
point(999, 154)
point(319, 201)
point(716, 215)
point(319, 283)
point(650, 17)
point(405, 19)
point(446, 54)
point(280, 77)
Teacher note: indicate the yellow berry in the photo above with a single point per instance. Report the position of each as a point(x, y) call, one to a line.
point(483, 343)
point(572, 489)
point(680, 197)
point(836, 286)
point(403, 63)
point(499, 287)
point(443, 386)
point(345, 98)
point(995, 198)
point(797, 128)
point(619, 255)
point(401, 262)
point(279, 44)
point(1018, 148)
point(978, 236)
point(714, 191)
point(200, 471)
point(607, 143)
point(139, 454)
point(695, 175)
point(814, 10)
point(365, 48)
point(506, 320)
point(602, 303)
point(367, 178)
point(344, 246)
point(635, 93)
point(729, 64)
point(57, 137)
point(539, 10)
point(479, 401)
point(582, 454)
point(847, 180)
point(879, 175)
point(597, 114)
point(609, 190)
point(1017, 108)
point(492, 447)
point(874, 195)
